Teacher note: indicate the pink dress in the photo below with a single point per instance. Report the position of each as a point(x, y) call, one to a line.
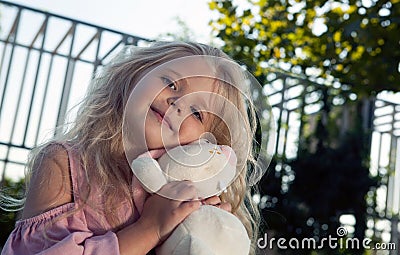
point(84, 232)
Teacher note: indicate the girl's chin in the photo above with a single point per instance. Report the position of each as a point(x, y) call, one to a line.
point(160, 145)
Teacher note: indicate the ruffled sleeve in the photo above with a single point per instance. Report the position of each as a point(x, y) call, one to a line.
point(71, 228)
point(58, 232)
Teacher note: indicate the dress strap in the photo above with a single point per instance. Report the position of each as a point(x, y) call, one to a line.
point(76, 173)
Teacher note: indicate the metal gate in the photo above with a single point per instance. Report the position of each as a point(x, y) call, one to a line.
point(47, 60)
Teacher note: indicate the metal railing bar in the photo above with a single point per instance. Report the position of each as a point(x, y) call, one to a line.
point(10, 61)
point(67, 84)
point(48, 52)
point(11, 144)
point(291, 98)
point(386, 101)
point(389, 106)
point(40, 31)
point(28, 56)
point(7, 41)
point(382, 132)
point(302, 106)
point(285, 132)
point(289, 87)
point(383, 115)
point(66, 92)
point(1, 67)
point(14, 26)
point(64, 38)
point(383, 123)
point(7, 161)
point(18, 105)
point(95, 36)
point(96, 62)
point(111, 50)
point(279, 122)
point(43, 101)
point(12, 34)
point(391, 180)
point(35, 82)
point(302, 79)
point(389, 196)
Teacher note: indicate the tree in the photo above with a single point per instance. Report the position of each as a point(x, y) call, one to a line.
point(9, 216)
point(329, 178)
point(356, 42)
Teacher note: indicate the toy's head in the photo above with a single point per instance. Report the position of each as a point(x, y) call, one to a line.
point(209, 166)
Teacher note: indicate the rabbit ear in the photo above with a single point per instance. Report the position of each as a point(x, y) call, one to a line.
point(208, 137)
point(229, 154)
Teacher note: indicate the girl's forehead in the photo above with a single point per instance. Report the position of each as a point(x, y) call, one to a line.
point(206, 70)
point(189, 67)
point(203, 77)
point(191, 80)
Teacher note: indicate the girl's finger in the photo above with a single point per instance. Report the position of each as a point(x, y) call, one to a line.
point(186, 191)
point(214, 200)
point(156, 153)
point(186, 208)
point(225, 206)
point(179, 191)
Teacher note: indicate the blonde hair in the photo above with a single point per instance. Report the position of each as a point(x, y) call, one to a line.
point(96, 134)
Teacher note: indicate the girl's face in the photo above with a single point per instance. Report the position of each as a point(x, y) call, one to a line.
point(170, 106)
point(179, 114)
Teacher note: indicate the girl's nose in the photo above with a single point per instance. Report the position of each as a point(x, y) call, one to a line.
point(171, 101)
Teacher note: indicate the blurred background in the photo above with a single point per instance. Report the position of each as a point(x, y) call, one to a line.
point(330, 70)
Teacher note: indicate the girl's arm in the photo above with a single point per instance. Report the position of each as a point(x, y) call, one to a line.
point(50, 195)
point(159, 218)
point(50, 182)
point(51, 187)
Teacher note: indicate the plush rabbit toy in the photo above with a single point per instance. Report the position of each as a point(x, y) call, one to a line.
point(209, 230)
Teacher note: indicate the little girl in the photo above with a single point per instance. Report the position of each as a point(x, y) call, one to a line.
point(80, 193)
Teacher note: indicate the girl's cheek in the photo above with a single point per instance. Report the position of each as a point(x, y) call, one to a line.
point(190, 131)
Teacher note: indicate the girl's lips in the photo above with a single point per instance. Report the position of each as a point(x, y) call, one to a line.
point(160, 117)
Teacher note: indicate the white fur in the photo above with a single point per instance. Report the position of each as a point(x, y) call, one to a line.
point(211, 168)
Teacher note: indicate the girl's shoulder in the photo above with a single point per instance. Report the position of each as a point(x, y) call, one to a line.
point(50, 183)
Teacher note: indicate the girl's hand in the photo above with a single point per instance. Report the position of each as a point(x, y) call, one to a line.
point(161, 215)
point(216, 201)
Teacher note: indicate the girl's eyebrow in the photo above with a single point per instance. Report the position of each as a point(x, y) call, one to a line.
point(177, 74)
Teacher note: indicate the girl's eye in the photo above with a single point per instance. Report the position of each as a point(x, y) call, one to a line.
point(196, 113)
point(169, 83)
